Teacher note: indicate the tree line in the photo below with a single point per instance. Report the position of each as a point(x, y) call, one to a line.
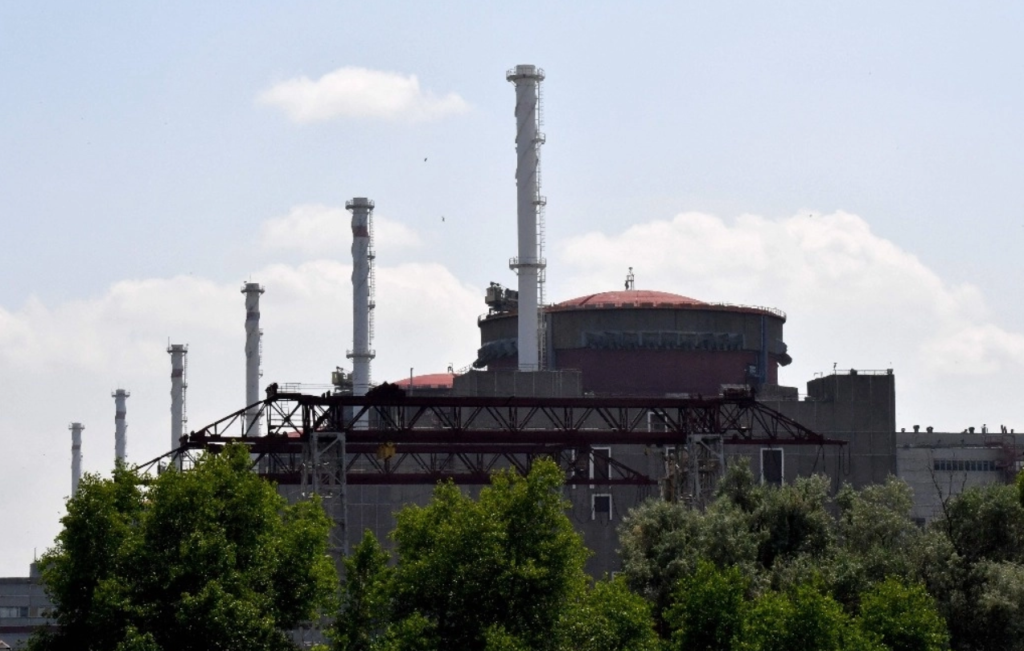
point(213, 558)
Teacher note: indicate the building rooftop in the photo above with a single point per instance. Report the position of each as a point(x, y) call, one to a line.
point(629, 298)
point(646, 298)
point(429, 381)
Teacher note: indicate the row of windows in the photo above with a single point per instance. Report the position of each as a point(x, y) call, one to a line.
point(966, 465)
point(21, 612)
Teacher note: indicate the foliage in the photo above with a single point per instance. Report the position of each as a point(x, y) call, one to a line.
point(510, 558)
point(709, 609)
point(804, 618)
point(365, 607)
point(795, 520)
point(972, 572)
point(609, 617)
point(804, 562)
point(1000, 607)
point(661, 543)
point(876, 538)
point(210, 558)
point(503, 572)
point(986, 522)
point(1020, 486)
point(903, 617)
point(775, 535)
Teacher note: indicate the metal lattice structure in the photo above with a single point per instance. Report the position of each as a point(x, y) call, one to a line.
point(324, 443)
point(420, 439)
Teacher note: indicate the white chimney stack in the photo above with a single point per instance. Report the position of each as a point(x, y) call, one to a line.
point(529, 264)
point(178, 387)
point(120, 423)
point(76, 455)
point(253, 353)
point(362, 294)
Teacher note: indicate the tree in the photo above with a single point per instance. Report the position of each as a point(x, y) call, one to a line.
point(1020, 486)
point(210, 558)
point(804, 618)
point(876, 539)
point(795, 519)
point(709, 610)
point(503, 572)
point(986, 523)
point(365, 606)
point(609, 617)
point(771, 533)
point(973, 568)
point(661, 543)
point(510, 558)
point(903, 617)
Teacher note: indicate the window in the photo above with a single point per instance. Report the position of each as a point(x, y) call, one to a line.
point(10, 612)
point(964, 465)
point(771, 466)
point(599, 463)
point(601, 506)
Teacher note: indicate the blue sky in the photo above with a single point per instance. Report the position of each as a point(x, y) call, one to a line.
point(855, 164)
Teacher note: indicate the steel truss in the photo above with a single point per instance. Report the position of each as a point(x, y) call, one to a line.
point(324, 443)
point(422, 440)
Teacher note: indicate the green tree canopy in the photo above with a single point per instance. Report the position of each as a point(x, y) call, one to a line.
point(974, 567)
point(502, 572)
point(903, 617)
point(709, 610)
point(210, 558)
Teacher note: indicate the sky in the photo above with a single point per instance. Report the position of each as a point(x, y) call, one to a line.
point(855, 164)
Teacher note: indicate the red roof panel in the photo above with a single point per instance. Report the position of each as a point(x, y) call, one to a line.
point(629, 298)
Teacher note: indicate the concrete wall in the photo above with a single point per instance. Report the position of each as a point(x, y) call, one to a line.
point(941, 465)
point(23, 607)
point(859, 408)
point(513, 382)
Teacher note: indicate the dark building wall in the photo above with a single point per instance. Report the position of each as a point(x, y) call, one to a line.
point(859, 408)
point(652, 350)
point(657, 372)
point(568, 324)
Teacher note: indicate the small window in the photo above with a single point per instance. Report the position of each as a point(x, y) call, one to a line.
point(601, 507)
point(599, 463)
point(771, 466)
point(13, 612)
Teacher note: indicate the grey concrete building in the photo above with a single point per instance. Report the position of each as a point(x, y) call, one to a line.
point(941, 465)
point(24, 606)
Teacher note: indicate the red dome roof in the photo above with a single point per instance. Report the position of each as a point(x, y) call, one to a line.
point(629, 298)
point(430, 381)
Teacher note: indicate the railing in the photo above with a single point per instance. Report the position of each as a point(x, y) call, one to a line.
point(858, 371)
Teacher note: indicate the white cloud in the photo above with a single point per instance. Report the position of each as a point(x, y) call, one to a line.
point(352, 92)
point(59, 362)
point(852, 297)
point(315, 229)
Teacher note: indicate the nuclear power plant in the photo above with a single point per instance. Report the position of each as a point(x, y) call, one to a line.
point(637, 393)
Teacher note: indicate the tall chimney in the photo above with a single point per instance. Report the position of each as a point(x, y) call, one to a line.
point(529, 264)
point(253, 353)
point(76, 455)
point(178, 387)
point(120, 424)
point(362, 294)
